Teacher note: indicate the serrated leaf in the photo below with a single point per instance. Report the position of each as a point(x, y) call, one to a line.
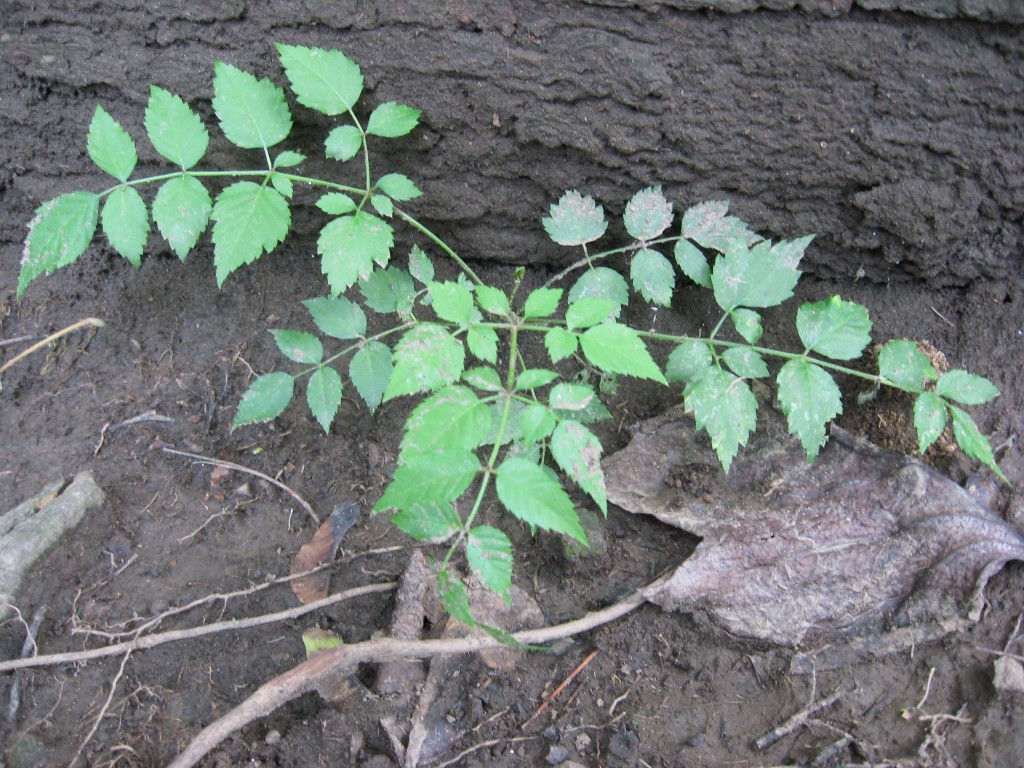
point(692, 262)
point(542, 302)
point(512, 430)
point(534, 378)
point(433, 521)
point(568, 396)
point(560, 344)
point(745, 362)
point(647, 214)
point(724, 406)
point(592, 413)
point(745, 277)
point(439, 476)
point(966, 388)
point(391, 120)
point(653, 276)
point(492, 300)
point(575, 220)
point(905, 365)
point(337, 316)
point(455, 599)
point(388, 290)
point(834, 328)
point(282, 184)
point(589, 311)
point(617, 348)
point(248, 220)
point(747, 323)
point(288, 159)
point(299, 346)
point(971, 441)
point(370, 370)
point(126, 223)
point(578, 452)
point(252, 112)
point(688, 360)
point(483, 377)
point(60, 232)
point(181, 210)
point(930, 417)
point(174, 130)
point(327, 81)
point(110, 146)
point(383, 205)
point(398, 186)
point(323, 394)
point(427, 358)
point(489, 555)
point(451, 301)
point(350, 245)
point(343, 143)
point(535, 496)
point(265, 399)
point(600, 283)
point(336, 204)
point(420, 266)
point(483, 343)
point(810, 399)
point(452, 418)
point(708, 225)
point(536, 422)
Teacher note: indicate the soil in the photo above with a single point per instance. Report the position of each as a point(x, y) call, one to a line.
point(895, 137)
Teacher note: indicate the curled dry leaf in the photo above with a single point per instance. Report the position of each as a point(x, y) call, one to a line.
point(862, 542)
point(321, 549)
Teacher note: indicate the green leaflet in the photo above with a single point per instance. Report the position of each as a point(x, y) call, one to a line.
point(327, 81)
point(60, 232)
point(708, 225)
point(288, 159)
point(428, 357)
point(398, 187)
point(388, 290)
point(536, 422)
point(181, 210)
point(810, 399)
point(351, 245)
point(560, 344)
point(126, 223)
point(383, 205)
point(834, 328)
point(578, 452)
point(567, 396)
point(174, 130)
point(966, 388)
point(489, 554)
point(747, 324)
point(647, 214)
point(282, 184)
point(575, 220)
point(653, 276)
point(323, 395)
point(589, 311)
point(337, 316)
point(745, 362)
point(761, 276)
point(336, 204)
point(434, 521)
point(905, 365)
point(370, 370)
point(110, 146)
point(391, 120)
point(492, 300)
point(483, 377)
point(253, 113)
point(534, 378)
point(724, 406)
point(343, 143)
point(601, 283)
point(266, 398)
point(419, 265)
point(534, 495)
point(973, 443)
point(618, 348)
point(452, 418)
point(692, 262)
point(929, 419)
point(542, 302)
point(299, 346)
point(483, 343)
point(451, 301)
point(249, 220)
point(690, 358)
point(439, 476)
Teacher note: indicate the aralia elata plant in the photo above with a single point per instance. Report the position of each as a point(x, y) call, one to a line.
point(490, 421)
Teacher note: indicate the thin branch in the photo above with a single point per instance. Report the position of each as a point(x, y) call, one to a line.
point(93, 321)
point(103, 711)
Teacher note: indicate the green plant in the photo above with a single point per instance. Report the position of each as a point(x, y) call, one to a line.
point(498, 421)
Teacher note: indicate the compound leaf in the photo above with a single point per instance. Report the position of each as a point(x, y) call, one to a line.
point(688, 360)
point(337, 316)
point(391, 120)
point(483, 343)
point(110, 146)
point(971, 441)
point(708, 225)
point(747, 324)
point(601, 283)
point(451, 301)
point(439, 476)
point(452, 418)
point(434, 521)
point(534, 495)
point(575, 220)
point(489, 554)
point(693, 262)
point(647, 214)
point(810, 399)
point(265, 399)
point(834, 328)
point(905, 365)
point(428, 357)
point(930, 417)
point(370, 370)
point(653, 276)
point(299, 346)
point(249, 219)
point(966, 388)
point(617, 348)
point(560, 343)
point(343, 143)
point(350, 245)
point(181, 210)
point(398, 187)
point(578, 452)
point(542, 302)
point(253, 113)
point(323, 394)
point(327, 81)
point(126, 223)
point(174, 130)
point(752, 277)
point(745, 362)
point(724, 406)
point(60, 232)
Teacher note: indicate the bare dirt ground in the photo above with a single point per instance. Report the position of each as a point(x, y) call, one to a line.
point(897, 138)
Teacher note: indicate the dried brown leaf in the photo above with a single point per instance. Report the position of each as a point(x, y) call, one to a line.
point(319, 550)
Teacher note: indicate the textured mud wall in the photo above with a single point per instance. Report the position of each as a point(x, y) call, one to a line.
point(897, 138)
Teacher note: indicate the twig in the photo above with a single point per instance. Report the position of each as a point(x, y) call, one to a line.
point(796, 721)
point(151, 641)
point(93, 321)
point(483, 745)
point(310, 674)
point(28, 648)
point(239, 468)
point(103, 710)
point(547, 702)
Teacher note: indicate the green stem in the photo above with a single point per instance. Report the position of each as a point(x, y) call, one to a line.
point(239, 173)
point(355, 347)
point(441, 244)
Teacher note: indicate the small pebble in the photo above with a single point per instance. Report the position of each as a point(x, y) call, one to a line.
point(557, 755)
point(696, 740)
point(550, 734)
point(273, 737)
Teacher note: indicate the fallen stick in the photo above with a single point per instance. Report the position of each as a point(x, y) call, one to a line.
point(95, 322)
point(308, 675)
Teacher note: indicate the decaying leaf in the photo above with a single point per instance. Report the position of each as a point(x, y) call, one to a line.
point(319, 550)
point(860, 543)
point(1008, 674)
